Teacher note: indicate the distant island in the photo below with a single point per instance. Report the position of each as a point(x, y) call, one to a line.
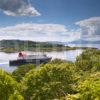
point(11, 46)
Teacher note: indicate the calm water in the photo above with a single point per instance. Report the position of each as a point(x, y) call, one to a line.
point(66, 55)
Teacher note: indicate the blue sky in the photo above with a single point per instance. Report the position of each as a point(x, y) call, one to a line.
point(76, 17)
point(57, 11)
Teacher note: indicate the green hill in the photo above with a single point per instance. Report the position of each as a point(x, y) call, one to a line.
point(20, 45)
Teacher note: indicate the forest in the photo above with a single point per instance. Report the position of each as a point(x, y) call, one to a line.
point(56, 80)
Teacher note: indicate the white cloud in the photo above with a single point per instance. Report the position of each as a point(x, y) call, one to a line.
point(90, 28)
point(38, 32)
point(18, 8)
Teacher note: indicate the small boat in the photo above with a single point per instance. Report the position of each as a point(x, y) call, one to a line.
point(30, 59)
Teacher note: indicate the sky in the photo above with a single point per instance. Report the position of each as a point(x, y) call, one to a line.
point(50, 20)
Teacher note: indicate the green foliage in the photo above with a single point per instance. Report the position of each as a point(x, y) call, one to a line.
point(20, 72)
point(7, 85)
point(49, 82)
point(89, 60)
point(72, 97)
point(89, 88)
point(16, 96)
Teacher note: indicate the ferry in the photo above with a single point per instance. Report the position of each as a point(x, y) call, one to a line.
point(30, 59)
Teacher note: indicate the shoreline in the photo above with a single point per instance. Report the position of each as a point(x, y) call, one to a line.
point(13, 50)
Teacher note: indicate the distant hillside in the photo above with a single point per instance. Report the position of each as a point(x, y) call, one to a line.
point(84, 42)
point(20, 45)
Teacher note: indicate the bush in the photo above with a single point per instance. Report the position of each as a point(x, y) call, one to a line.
point(20, 72)
point(49, 82)
point(89, 60)
point(16, 96)
point(72, 97)
point(89, 88)
point(8, 85)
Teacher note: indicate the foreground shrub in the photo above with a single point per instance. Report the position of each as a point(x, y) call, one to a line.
point(8, 86)
point(89, 88)
point(49, 82)
point(20, 72)
point(16, 96)
point(89, 60)
point(71, 97)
